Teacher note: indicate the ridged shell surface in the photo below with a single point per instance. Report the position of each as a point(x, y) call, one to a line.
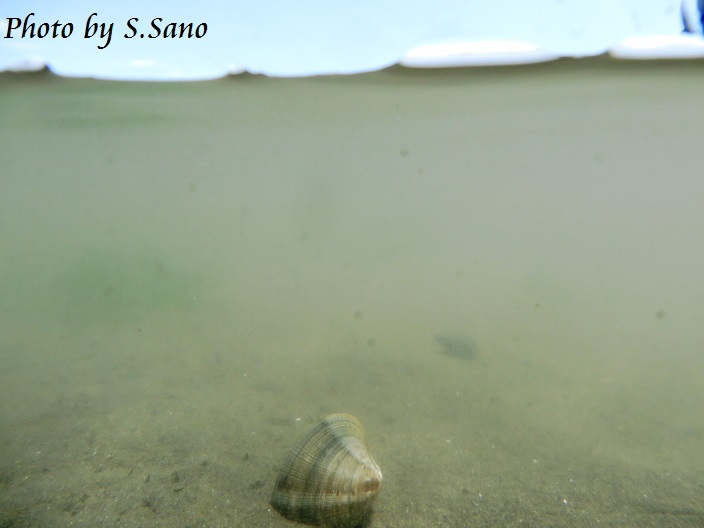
point(329, 478)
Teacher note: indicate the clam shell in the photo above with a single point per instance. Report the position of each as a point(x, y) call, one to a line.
point(329, 478)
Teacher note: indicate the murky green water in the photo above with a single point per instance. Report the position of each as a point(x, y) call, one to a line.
point(191, 275)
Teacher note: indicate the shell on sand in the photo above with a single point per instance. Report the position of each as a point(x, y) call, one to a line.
point(329, 478)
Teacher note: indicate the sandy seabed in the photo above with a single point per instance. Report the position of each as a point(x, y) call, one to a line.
point(193, 274)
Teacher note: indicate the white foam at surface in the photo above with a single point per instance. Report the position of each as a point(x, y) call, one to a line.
point(475, 53)
point(30, 64)
point(660, 47)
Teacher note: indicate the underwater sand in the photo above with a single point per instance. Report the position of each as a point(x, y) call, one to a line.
point(193, 274)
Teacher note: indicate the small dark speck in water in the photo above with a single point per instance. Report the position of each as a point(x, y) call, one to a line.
point(461, 347)
point(257, 484)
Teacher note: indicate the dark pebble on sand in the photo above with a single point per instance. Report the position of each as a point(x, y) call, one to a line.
point(457, 346)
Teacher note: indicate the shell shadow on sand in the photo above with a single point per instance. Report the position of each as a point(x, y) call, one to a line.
point(457, 346)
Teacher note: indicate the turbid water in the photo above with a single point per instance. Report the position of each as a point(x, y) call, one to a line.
point(193, 274)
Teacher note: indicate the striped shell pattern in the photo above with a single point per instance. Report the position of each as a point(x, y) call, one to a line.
point(329, 478)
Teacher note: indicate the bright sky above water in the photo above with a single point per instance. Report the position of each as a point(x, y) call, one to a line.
point(310, 37)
